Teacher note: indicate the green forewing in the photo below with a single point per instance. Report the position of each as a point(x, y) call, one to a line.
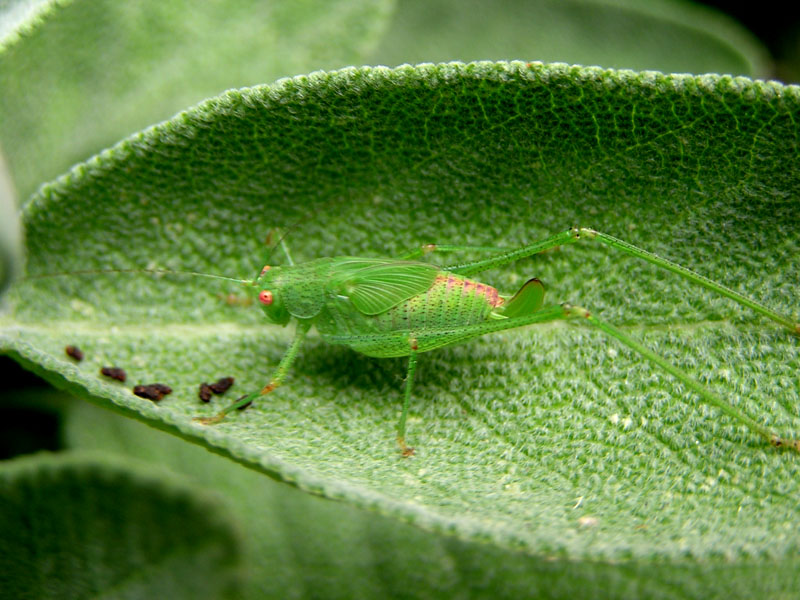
point(379, 286)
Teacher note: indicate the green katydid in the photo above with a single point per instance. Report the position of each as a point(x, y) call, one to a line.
point(396, 307)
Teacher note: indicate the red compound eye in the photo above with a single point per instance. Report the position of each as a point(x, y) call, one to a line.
point(264, 270)
point(265, 297)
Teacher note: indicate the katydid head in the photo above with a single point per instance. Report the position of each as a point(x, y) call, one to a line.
point(268, 288)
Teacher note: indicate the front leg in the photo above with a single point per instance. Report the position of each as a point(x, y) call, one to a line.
point(277, 377)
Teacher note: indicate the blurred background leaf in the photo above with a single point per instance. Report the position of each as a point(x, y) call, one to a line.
point(672, 37)
point(84, 525)
point(777, 25)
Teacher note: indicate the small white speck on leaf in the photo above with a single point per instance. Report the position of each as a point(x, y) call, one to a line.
point(587, 522)
point(87, 310)
point(409, 479)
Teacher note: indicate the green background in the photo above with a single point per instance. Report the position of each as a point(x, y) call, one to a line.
point(550, 462)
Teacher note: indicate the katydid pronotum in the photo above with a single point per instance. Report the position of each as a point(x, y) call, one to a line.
point(396, 307)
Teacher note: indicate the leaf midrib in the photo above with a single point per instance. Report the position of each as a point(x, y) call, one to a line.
point(12, 326)
point(135, 330)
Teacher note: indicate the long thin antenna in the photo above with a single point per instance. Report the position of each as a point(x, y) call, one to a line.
point(284, 234)
point(150, 271)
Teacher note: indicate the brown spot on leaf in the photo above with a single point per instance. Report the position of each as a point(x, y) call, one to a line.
point(74, 352)
point(152, 391)
point(114, 373)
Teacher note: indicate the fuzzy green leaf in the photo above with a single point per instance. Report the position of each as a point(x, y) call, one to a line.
point(77, 76)
point(550, 441)
point(85, 526)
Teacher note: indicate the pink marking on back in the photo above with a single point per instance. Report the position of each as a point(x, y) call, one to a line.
point(490, 293)
point(451, 282)
point(494, 298)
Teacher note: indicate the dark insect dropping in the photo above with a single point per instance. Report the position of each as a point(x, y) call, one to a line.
point(152, 391)
point(163, 388)
point(205, 392)
point(114, 373)
point(74, 352)
point(222, 385)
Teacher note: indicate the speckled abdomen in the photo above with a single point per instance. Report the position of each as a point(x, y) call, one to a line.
point(451, 302)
